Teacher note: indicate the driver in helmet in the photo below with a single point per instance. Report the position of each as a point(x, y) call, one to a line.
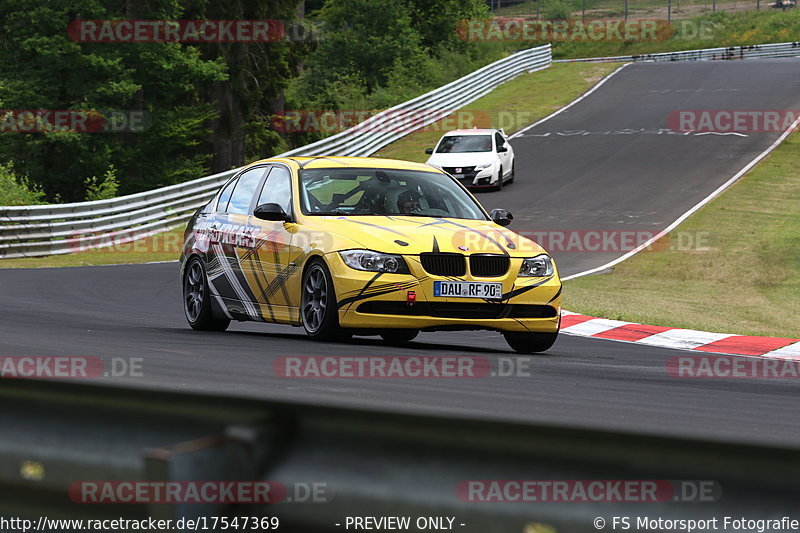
point(408, 203)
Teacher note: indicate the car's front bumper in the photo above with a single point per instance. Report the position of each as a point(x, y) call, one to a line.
point(368, 300)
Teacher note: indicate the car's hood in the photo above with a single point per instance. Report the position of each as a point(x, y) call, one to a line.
point(469, 159)
point(415, 235)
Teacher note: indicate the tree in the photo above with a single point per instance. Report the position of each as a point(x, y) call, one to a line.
point(42, 68)
point(258, 72)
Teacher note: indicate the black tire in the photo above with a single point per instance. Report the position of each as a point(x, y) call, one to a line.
point(511, 176)
point(399, 336)
point(318, 310)
point(499, 185)
point(197, 299)
point(530, 342)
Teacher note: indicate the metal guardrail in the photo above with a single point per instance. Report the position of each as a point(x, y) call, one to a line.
point(753, 51)
point(370, 463)
point(30, 231)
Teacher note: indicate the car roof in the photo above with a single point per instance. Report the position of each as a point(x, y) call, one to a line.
point(473, 131)
point(350, 162)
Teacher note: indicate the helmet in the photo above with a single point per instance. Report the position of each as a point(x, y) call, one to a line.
point(406, 197)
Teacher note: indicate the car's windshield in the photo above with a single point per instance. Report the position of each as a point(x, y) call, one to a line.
point(352, 191)
point(454, 144)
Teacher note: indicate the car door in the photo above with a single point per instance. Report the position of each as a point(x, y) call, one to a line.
point(231, 240)
point(505, 157)
point(274, 260)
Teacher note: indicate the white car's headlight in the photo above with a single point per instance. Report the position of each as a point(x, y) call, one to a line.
point(541, 265)
point(374, 261)
point(484, 166)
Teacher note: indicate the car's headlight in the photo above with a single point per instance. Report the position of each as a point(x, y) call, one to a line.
point(484, 166)
point(541, 265)
point(374, 261)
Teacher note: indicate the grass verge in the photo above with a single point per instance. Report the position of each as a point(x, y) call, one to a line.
point(161, 247)
point(512, 106)
point(745, 278)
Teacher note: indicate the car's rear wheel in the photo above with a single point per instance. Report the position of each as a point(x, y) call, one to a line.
point(529, 342)
point(399, 336)
point(511, 176)
point(197, 299)
point(318, 303)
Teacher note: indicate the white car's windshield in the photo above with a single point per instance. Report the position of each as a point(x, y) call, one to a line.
point(455, 144)
point(352, 191)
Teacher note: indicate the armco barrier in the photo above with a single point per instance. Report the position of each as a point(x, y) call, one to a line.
point(753, 51)
point(367, 463)
point(30, 231)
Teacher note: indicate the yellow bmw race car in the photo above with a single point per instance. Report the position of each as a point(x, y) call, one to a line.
point(345, 245)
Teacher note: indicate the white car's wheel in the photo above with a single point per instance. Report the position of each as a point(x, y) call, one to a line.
point(499, 184)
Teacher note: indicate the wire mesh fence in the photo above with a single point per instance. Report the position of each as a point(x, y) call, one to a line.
point(662, 9)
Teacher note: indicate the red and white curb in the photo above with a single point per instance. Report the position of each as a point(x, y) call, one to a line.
point(683, 339)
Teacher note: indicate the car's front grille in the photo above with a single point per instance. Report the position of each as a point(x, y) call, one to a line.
point(459, 170)
point(435, 309)
point(466, 310)
point(465, 175)
point(533, 311)
point(443, 264)
point(488, 265)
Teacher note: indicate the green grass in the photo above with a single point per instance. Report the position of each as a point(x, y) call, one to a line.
point(162, 247)
point(513, 105)
point(744, 279)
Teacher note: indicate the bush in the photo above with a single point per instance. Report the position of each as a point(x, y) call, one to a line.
point(16, 190)
point(102, 190)
point(556, 10)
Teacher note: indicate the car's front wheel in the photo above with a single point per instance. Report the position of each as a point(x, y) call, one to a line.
point(499, 184)
point(318, 303)
point(197, 299)
point(529, 342)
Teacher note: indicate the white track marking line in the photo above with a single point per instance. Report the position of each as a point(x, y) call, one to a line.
point(694, 209)
point(593, 327)
point(792, 351)
point(686, 339)
point(584, 95)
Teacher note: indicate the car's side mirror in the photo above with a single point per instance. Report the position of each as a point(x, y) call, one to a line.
point(501, 217)
point(270, 212)
point(429, 151)
point(501, 149)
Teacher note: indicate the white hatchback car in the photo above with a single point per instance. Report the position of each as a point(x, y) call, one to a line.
point(478, 158)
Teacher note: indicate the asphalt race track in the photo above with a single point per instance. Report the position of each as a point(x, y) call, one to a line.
point(583, 182)
point(608, 163)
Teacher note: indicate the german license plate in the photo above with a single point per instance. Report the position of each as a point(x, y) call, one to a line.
point(467, 289)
